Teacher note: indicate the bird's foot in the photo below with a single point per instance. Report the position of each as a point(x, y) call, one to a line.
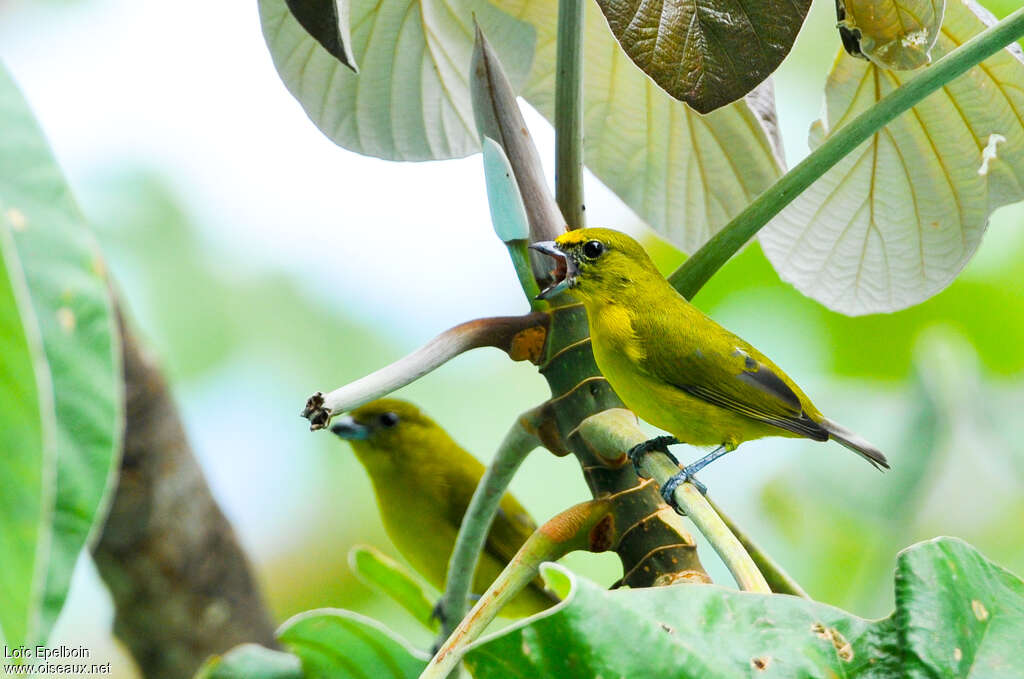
point(659, 443)
point(438, 612)
point(668, 489)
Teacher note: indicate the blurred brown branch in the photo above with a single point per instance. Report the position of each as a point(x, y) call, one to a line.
point(182, 587)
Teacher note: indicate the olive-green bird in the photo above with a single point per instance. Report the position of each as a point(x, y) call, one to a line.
point(423, 481)
point(674, 366)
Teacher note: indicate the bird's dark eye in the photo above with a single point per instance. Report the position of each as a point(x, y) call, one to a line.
point(388, 420)
point(592, 249)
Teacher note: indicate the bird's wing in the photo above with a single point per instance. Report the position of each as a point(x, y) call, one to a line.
point(718, 367)
point(512, 524)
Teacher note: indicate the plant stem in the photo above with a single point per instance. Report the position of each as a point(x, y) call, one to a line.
point(659, 467)
point(569, 113)
point(778, 579)
point(614, 431)
point(567, 532)
point(698, 269)
point(476, 523)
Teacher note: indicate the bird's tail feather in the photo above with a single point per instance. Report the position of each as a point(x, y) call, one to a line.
point(855, 443)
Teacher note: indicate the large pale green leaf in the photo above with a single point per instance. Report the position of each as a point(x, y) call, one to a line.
point(683, 173)
point(957, 615)
point(27, 440)
point(708, 53)
point(337, 644)
point(70, 296)
point(411, 99)
point(895, 221)
point(896, 34)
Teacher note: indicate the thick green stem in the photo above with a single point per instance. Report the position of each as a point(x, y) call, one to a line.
point(659, 467)
point(699, 268)
point(569, 113)
point(778, 579)
point(614, 431)
point(476, 523)
point(579, 527)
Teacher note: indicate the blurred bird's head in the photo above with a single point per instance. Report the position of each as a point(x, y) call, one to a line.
point(387, 426)
point(595, 264)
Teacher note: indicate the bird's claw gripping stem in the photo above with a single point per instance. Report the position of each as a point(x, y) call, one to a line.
point(659, 443)
point(668, 489)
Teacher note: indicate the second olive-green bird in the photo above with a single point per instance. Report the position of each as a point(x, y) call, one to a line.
point(674, 366)
point(423, 481)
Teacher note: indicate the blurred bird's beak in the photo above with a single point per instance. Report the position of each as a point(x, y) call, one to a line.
point(563, 273)
point(347, 428)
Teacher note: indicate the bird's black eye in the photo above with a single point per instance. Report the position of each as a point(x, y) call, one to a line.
point(592, 249)
point(388, 420)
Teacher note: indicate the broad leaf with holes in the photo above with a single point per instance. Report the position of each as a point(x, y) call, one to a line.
point(896, 34)
point(896, 220)
point(708, 53)
point(957, 615)
point(70, 297)
point(410, 100)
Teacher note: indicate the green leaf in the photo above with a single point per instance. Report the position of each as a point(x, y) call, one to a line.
point(337, 644)
point(895, 34)
point(383, 573)
point(27, 439)
point(957, 615)
point(895, 221)
point(708, 53)
point(327, 22)
point(685, 631)
point(684, 174)
point(70, 296)
point(252, 661)
point(411, 100)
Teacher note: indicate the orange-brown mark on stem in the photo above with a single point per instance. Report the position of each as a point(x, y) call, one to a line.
point(571, 523)
point(528, 344)
point(602, 535)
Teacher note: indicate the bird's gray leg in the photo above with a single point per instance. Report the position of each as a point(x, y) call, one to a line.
point(660, 443)
point(668, 490)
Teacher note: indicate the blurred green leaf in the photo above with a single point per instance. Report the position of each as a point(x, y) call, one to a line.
point(337, 644)
point(411, 99)
point(27, 439)
point(327, 21)
point(896, 220)
point(957, 614)
point(896, 34)
point(708, 53)
point(252, 661)
point(383, 573)
point(69, 291)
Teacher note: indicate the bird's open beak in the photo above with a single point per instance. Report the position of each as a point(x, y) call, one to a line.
point(348, 428)
point(563, 273)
